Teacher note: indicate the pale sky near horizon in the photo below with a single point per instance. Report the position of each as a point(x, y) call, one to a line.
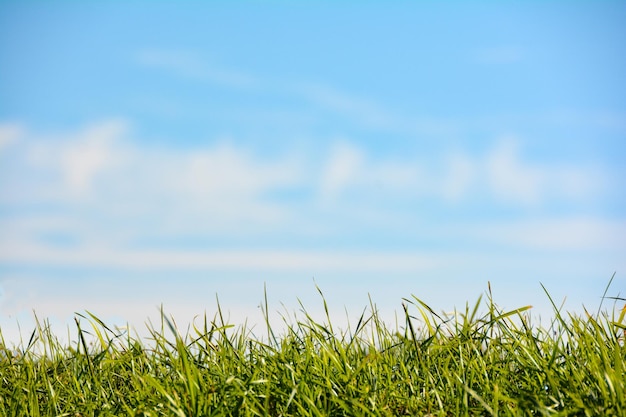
point(163, 153)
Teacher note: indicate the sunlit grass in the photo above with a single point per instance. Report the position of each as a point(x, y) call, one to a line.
point(479, 360)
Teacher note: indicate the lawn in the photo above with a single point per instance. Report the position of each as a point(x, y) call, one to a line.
point(478, 360)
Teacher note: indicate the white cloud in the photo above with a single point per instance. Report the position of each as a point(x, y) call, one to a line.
point(514, 180)
point(501, 172)
point(460, 176)
point(82, 160)
point(577, 182)
point(219, 260)
point(132, 188)
point(140, 193)
point(9, 134)
point(225, 170)
point(69, 163)
point(343, 169)
point(349, 168)
point(509, 178)
point(219, 171)
point(558, 234)
point(217, 189)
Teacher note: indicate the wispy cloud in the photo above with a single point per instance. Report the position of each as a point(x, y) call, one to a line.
point(113, 191)
point(516, 181)
point(55, 168)
point(460, 178)
point(317, 100)
point(220, 260)
point(343, 169)
point(580, 234)
point(87, 156)
point(556, 236)
point(189, 65)
point(509, 178)
point(9, 134)
point(349, 169)
point(320, 99)
point(371, 114)
point(105, 159)
point(362, 110)
point(99, 172)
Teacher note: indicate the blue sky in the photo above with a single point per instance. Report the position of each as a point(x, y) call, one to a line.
point(163, 153)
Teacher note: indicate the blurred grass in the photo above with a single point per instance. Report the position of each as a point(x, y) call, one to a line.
point(476, 361)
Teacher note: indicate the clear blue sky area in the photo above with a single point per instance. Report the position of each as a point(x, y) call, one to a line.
point(165, 152)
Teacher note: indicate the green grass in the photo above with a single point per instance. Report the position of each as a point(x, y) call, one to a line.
point(477, 361)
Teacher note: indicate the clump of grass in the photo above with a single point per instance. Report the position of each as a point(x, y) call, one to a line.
point(464, 363)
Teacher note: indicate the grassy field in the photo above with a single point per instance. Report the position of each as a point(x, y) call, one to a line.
point(477, 361)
